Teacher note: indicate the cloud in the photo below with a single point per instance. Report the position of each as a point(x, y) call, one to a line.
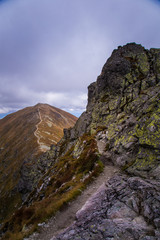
point(52, 50)
point(5, 110)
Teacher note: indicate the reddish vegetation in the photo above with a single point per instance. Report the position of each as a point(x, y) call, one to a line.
point(19, 144)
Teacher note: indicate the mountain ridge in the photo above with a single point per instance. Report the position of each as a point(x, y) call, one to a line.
point(119, 127)
point(24, 137)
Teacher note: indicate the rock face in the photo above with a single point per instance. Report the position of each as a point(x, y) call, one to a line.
point(24, 135)
point(126, 208)
point(125, 103)
point(123, 113)
point(120, 127)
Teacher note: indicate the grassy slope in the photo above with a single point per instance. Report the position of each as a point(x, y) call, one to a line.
point(53, 122)
point(18, 144)
point(72, 173)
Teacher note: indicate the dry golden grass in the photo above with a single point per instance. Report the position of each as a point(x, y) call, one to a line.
point(19, 146)
point(71, 176)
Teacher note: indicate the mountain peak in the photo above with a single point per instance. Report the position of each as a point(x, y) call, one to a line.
point(41, 104)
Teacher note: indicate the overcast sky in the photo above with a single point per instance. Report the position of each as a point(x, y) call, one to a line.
point(51, 50)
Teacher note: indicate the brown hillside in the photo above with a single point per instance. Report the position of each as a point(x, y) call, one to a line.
point(23, 136)
point(50, 127)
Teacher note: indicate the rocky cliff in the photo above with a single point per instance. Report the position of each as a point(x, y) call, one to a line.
point(124, 103)
point(120, 127)
point(123, 114)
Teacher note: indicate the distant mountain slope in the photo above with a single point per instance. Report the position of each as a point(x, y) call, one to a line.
point(49, 130)
point(24, 135)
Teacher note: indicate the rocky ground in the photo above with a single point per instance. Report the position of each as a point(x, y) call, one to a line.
point(66, 217)
point(123, 208)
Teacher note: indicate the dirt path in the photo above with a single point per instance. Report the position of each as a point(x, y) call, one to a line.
point(37, 125)
point(66, 217)
point(42, 146)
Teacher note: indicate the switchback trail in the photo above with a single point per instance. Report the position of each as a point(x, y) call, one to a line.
point(65, 218)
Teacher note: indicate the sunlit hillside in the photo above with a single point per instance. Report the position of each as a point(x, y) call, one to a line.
point(24, 135)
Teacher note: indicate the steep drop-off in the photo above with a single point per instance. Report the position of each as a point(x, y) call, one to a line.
point(120, 127)
point(24, 135)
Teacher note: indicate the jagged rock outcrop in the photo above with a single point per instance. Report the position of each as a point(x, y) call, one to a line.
point(123, 113)
point(125, 103)
point(120, 127)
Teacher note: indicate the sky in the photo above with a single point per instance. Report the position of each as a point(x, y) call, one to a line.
point(50, 51)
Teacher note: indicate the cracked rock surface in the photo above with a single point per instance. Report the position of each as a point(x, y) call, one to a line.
point(124, 208)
